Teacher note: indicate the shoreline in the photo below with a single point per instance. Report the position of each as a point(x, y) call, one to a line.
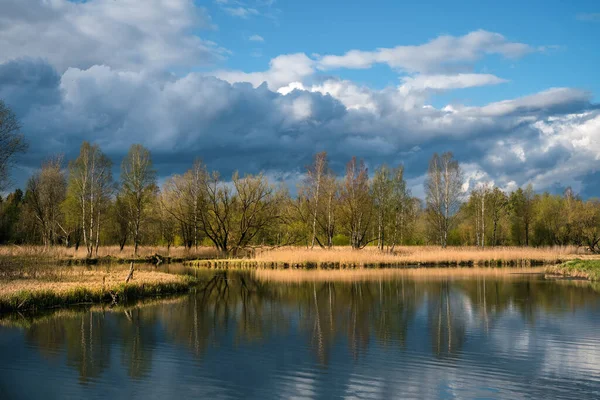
point(82, 285)
point(578, 269)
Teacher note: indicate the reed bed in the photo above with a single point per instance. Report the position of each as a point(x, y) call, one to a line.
point(64, 253)
point(422, 255)
point(61, 286)
point(354, 275)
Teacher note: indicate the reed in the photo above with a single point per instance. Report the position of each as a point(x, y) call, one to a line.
point(61, 252)
point(370, 257)
point(423, 255)
point(62, 286)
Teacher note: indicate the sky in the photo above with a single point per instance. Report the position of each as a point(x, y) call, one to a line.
point(511, 87)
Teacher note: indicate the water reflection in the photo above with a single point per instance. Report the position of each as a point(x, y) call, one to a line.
point(239, 335)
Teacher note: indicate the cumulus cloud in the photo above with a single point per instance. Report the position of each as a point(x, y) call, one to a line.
point(109, 82)
point(239, 126)
point(125, 34)
point(282, 70)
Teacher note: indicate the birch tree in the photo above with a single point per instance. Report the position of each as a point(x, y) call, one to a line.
point(91, 186)
point(138, 188)
point(443, 188)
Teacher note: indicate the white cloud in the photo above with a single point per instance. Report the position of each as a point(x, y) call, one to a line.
point(282, 70)
point(447, 82)
point(125, 34)
point(439, 54)
point(256, 38)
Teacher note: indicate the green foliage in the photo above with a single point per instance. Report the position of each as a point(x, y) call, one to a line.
point(589, 269)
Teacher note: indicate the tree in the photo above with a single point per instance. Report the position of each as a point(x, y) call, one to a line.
point(521, 205)
point(90, 187)
point(403, 207)
point(314, 177)
point(356, 203)
point(443, 188)
point(383, 186)
point(46, 190)
point(11, 142)
point(181, 199)
point(497, 206)
point(138, 188)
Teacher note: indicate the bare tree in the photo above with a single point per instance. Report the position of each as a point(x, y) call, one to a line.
point(11, 142)
point(315, 175)
point(402, 207)
point(443, 189)
point(45, 192)
point(181, 198)
point(233, 215)
point(383, 182)
point(138, 188)
point(91, 186)
point(356, 203)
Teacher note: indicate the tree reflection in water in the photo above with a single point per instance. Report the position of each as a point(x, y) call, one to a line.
point(234, 309)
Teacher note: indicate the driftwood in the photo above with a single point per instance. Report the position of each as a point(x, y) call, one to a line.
point(115, 298)
point(158, 259)
point(130, 276)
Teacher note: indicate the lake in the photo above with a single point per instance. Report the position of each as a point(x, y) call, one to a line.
point(251, 335)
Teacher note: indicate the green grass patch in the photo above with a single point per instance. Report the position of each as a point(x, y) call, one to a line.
point(588, 269)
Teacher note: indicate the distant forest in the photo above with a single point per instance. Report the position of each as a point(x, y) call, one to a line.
point(78, 203)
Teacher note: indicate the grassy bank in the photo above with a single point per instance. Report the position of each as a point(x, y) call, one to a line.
point(106, 254)
point(430, 256)
point(585, 269)
point(46, 287)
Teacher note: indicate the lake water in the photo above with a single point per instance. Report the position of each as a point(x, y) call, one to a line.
point(241, 336)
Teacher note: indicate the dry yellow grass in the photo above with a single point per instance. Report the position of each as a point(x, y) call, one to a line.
point(60, 252)
point(421, 255)
point(354, 275)
point(63, 279)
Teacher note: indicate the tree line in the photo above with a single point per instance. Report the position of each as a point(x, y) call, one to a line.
point(78, 203)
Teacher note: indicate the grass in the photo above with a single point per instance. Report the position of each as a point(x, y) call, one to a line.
point(344, 257)
point(22, 289)
point(586, 269)
point(64, 253)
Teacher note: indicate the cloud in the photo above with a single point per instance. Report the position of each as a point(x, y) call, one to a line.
point(438, 55)
point(282, 70)
point(256, 38)
point(124, 34)
point(240, 126)
point(447, 82)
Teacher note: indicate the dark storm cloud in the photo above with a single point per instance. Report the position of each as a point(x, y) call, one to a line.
point(239, 127)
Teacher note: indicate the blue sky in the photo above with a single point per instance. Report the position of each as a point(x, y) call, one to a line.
point(312, 26)
point(261, 85)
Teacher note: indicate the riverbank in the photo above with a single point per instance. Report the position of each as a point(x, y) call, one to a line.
point(583, 269)
point(370, 257)
point(44, 287)
point(105, 255)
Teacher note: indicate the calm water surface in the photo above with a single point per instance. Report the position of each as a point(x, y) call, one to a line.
point(240, 336)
